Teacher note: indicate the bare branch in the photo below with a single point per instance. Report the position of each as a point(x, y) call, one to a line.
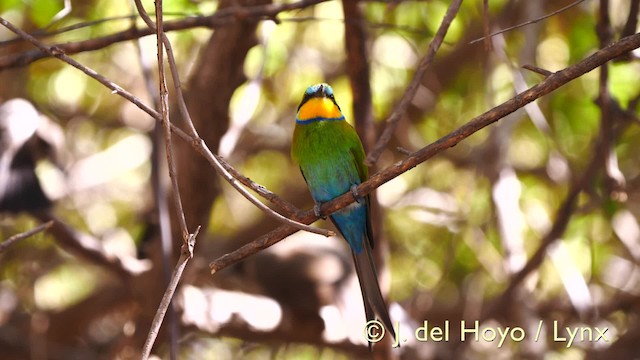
point(536, 20)
point(220, 18)
point(602, 150)
point(400, 109)
point(538, 70)
point(185, 255)
point(17, 237)
point(89, 248)
point(164, 106)
point(161, 40)
point(289, 209)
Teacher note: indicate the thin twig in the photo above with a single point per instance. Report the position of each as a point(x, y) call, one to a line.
point(186, 254)
point(289, 209)
point(219, 18)
point(528, 22)
point(213, 160)
point(88, 247)
point(164, 106)
point(546, 86)
point(160, 196)
point(538, 70)
point(400, 109)
point(115, 89)
point(17, 237)
point(161, 39)
point(45, 33)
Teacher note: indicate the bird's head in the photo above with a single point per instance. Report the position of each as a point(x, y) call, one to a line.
point(318, 103)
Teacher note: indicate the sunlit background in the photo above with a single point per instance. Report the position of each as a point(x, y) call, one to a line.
point(454, 230)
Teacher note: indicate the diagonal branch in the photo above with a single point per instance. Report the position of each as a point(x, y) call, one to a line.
point(529, 22)
point(15, 238)
point(401, 108)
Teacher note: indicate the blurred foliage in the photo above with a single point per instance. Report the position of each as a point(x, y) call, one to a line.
point(440, 218)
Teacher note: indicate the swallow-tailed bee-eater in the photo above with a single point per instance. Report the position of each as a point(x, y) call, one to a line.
point(331, 158)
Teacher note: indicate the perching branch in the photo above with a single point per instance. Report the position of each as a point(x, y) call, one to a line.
point(549, 84)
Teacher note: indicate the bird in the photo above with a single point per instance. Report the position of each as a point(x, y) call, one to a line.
point(331, 157)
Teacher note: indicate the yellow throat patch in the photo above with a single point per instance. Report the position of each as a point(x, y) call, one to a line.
point(319, 107)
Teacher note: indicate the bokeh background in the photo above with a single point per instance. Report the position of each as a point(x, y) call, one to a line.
point(553, 188)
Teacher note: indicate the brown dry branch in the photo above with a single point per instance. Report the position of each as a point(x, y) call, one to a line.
point(291, 210)
point(551, 83)
point(161, 41)
point(24, 235)
point(537, 70)
point(401, 107)
point(220, 18)
point(163, 95)
point(88, 248)
point(536, 20)
point(186, 254)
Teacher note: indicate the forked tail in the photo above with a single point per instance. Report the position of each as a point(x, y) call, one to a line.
point(373, 301)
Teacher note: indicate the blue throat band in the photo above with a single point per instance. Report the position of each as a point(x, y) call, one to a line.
point(319, 118)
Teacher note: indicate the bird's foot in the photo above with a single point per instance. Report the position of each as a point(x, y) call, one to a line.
point(316, 211)
point(356, 195)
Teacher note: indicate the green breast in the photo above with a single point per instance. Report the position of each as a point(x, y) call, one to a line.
point(330, 156)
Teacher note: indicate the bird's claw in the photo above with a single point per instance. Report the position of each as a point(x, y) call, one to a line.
point(356, 195)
